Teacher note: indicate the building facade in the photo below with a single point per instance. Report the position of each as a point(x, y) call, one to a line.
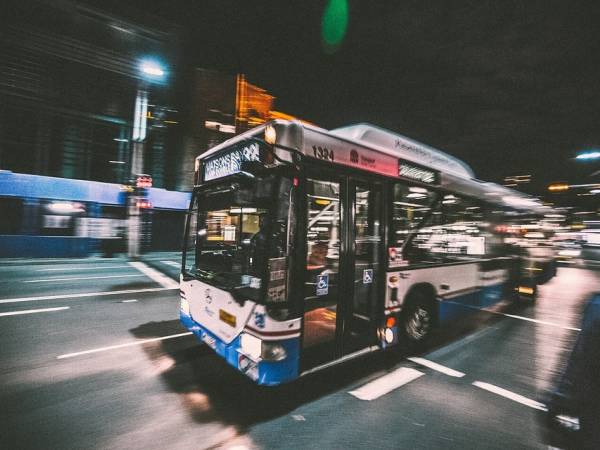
point(68, 84)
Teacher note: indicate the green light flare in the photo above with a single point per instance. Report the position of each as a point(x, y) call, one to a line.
point(334, 24)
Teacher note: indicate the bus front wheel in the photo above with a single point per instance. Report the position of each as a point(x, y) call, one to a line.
point(417, 318)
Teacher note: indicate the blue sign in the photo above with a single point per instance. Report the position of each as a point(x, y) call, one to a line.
point(367, 276)
point(322, 284)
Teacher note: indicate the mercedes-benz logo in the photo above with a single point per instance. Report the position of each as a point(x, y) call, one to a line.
point(207, 296)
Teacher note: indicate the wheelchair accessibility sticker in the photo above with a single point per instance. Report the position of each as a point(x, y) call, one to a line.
point(367, 276)
point(322, 284)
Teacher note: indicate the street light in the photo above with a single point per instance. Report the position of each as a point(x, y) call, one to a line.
point(591, 154)
point(151, 71)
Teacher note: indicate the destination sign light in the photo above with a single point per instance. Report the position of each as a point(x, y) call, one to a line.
point(231, 161)
point(417, 173)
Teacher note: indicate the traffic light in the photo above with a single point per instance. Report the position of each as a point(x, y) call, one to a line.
point(143, 181)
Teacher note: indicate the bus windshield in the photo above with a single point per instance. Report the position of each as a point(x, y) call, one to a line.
point(233, 230)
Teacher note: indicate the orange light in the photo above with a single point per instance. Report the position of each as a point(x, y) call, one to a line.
point(390, 322)
point(557, 187)
point(525, 290)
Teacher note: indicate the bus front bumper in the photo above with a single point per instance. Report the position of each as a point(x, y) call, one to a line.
point(263, 372)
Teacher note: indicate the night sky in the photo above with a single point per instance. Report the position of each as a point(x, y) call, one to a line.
point(511, 87)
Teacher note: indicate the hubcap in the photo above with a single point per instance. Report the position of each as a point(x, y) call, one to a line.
point(418, 324)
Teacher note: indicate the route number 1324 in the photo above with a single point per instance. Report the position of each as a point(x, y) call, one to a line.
point(322, 153)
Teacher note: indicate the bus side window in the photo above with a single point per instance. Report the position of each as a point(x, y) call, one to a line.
point(429, 231)
point(411, 210)
point(464, 231)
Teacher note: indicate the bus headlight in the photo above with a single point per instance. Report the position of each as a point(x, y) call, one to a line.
point(272, 351)
point(270, 134)
point(251, 346)
point(389, 335)
point(185, 306)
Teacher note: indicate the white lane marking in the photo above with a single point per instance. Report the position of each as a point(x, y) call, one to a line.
point(47, 280)
point(27, 262)
point(82, 295)
point(155, 275)
point(128, 344)
point(437, 367)
point(133, 300)
point(528, 319)
point(33, 311)
point(58, 269)
point(541, 322)
point(510, 395)
point(386, 383)
point(172, 264)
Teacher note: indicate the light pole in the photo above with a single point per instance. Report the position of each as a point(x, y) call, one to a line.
point(150, 71)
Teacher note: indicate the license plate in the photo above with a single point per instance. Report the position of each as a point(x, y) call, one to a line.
point(229, 319)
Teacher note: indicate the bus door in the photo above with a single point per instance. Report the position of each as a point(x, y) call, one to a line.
point(365, 250)
point(343, 264)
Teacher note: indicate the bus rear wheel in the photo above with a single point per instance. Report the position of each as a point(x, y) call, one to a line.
point(417, 319)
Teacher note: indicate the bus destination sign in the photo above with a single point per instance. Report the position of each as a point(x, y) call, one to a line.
point(230, 162)
point(417, 173)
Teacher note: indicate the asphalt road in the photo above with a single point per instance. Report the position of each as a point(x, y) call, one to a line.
point(92, 356)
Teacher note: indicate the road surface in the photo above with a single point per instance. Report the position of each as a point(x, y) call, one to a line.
point(93, 356)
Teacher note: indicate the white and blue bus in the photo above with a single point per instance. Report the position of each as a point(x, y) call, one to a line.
point(307, 247)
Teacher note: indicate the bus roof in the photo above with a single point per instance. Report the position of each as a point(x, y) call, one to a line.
point(405, 148)
point(390, 147)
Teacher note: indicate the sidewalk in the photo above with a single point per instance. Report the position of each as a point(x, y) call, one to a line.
point(167, 262)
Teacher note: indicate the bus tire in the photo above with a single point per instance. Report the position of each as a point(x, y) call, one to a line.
point(417, 318)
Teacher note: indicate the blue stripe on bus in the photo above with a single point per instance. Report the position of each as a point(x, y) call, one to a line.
point(463, 306)
point(490, 295)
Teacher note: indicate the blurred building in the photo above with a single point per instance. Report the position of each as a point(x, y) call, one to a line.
point(68, 83)
point(91, 96)
point(69, 80)
point(220, 107)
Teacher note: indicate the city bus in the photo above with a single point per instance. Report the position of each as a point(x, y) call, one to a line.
point(307, 247)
